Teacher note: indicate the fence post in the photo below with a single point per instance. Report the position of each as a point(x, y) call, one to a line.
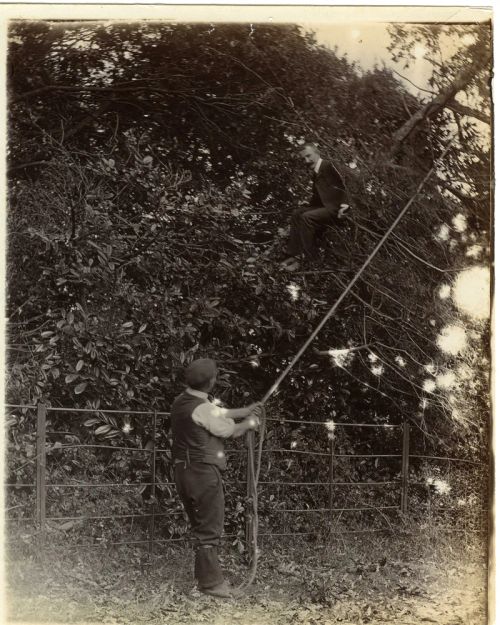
point(153, 490)
point(41, 491)
point(330, 479)
point(405, 461)
point(249, 516)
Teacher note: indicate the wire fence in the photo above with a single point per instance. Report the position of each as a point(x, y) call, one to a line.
point(399, 487)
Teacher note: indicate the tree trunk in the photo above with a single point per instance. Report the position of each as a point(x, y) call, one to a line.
point(445, 97)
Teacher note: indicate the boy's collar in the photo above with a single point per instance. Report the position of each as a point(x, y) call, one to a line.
point(196, 393)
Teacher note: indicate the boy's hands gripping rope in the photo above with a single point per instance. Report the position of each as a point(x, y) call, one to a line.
point(257, 414)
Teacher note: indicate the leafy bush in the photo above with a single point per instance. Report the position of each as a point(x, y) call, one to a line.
point(155, 173)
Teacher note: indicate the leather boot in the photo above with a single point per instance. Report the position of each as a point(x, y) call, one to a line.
point(207, 570)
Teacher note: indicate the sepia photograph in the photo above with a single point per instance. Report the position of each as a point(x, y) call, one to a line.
point(247, 315)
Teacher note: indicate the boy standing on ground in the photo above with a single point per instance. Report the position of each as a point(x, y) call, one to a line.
point(199, 428)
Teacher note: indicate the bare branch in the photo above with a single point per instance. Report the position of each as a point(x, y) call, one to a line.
point(468, 111)
point(459, 83)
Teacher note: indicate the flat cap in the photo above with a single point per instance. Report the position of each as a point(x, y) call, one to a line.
point(200, 371)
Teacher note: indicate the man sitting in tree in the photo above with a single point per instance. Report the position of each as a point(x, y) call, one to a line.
point(199, 428)
point(328, 204)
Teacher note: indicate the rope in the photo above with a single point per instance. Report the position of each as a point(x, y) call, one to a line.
point(255, 464)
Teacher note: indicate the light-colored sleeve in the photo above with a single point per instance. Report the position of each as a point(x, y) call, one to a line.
point(212, 418)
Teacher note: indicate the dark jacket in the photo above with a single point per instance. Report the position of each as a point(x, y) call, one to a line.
point(191, 442)
point(328, 188)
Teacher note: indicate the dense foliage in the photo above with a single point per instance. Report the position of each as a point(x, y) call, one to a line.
point(153, 170)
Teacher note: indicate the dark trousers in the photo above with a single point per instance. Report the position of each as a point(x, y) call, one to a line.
point(200, 488)
point(305, 224)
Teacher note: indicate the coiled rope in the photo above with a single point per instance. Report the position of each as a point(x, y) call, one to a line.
point(254, 462)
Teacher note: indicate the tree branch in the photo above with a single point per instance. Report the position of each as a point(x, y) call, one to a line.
point(459, 83)
point(469, 112)
point(25, 165)
point(127, 86)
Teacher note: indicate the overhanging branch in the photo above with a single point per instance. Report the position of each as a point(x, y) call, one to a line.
point(442, 100)
point(461, 109)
